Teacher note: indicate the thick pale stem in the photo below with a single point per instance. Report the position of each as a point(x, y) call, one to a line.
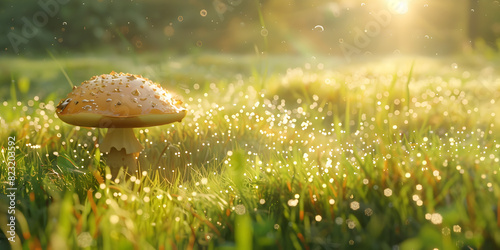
point(123, 148)
point(118, 159)
point(121, 138)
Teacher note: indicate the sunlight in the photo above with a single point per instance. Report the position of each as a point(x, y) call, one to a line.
point(398, 6)
point(292, 124)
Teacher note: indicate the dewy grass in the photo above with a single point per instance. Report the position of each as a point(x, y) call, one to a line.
point(314, 158)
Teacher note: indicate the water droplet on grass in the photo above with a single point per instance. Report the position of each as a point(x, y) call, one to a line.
point(319, 28)
point(84, 240)
point(264, 32)
point(354, 205)
point(114, 219)
point(318, 218)
point(387, 192)
point(240, 209)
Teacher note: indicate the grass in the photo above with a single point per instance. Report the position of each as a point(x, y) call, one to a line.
point(318, 156)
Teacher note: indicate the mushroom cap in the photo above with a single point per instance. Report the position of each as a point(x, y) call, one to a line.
point(119, 100)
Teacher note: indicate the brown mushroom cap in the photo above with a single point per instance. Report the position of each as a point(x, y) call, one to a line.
point(119, 100)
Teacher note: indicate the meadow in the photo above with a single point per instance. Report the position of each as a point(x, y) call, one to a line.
point(389, 153)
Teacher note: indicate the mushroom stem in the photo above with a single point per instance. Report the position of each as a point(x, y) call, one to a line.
point(119, 158)
point(121, 138)
point(123, 148)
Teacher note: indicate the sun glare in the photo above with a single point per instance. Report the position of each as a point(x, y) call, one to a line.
point(398, 6)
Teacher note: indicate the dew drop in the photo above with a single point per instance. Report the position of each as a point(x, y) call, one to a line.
point(240, 209)
point(264, 32)
point(387, 192)
point(319, 28)
point(318, 218)
point(354, 205)
point(114, 219)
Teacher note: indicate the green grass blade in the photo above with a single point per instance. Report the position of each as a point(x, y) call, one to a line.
point(61, 68)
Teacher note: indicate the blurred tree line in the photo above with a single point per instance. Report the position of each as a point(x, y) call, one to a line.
point(237, 26)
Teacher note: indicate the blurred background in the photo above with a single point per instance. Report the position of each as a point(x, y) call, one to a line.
point(323, 27)
point(47, 43)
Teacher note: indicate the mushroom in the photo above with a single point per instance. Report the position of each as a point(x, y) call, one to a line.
point(120, 102)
